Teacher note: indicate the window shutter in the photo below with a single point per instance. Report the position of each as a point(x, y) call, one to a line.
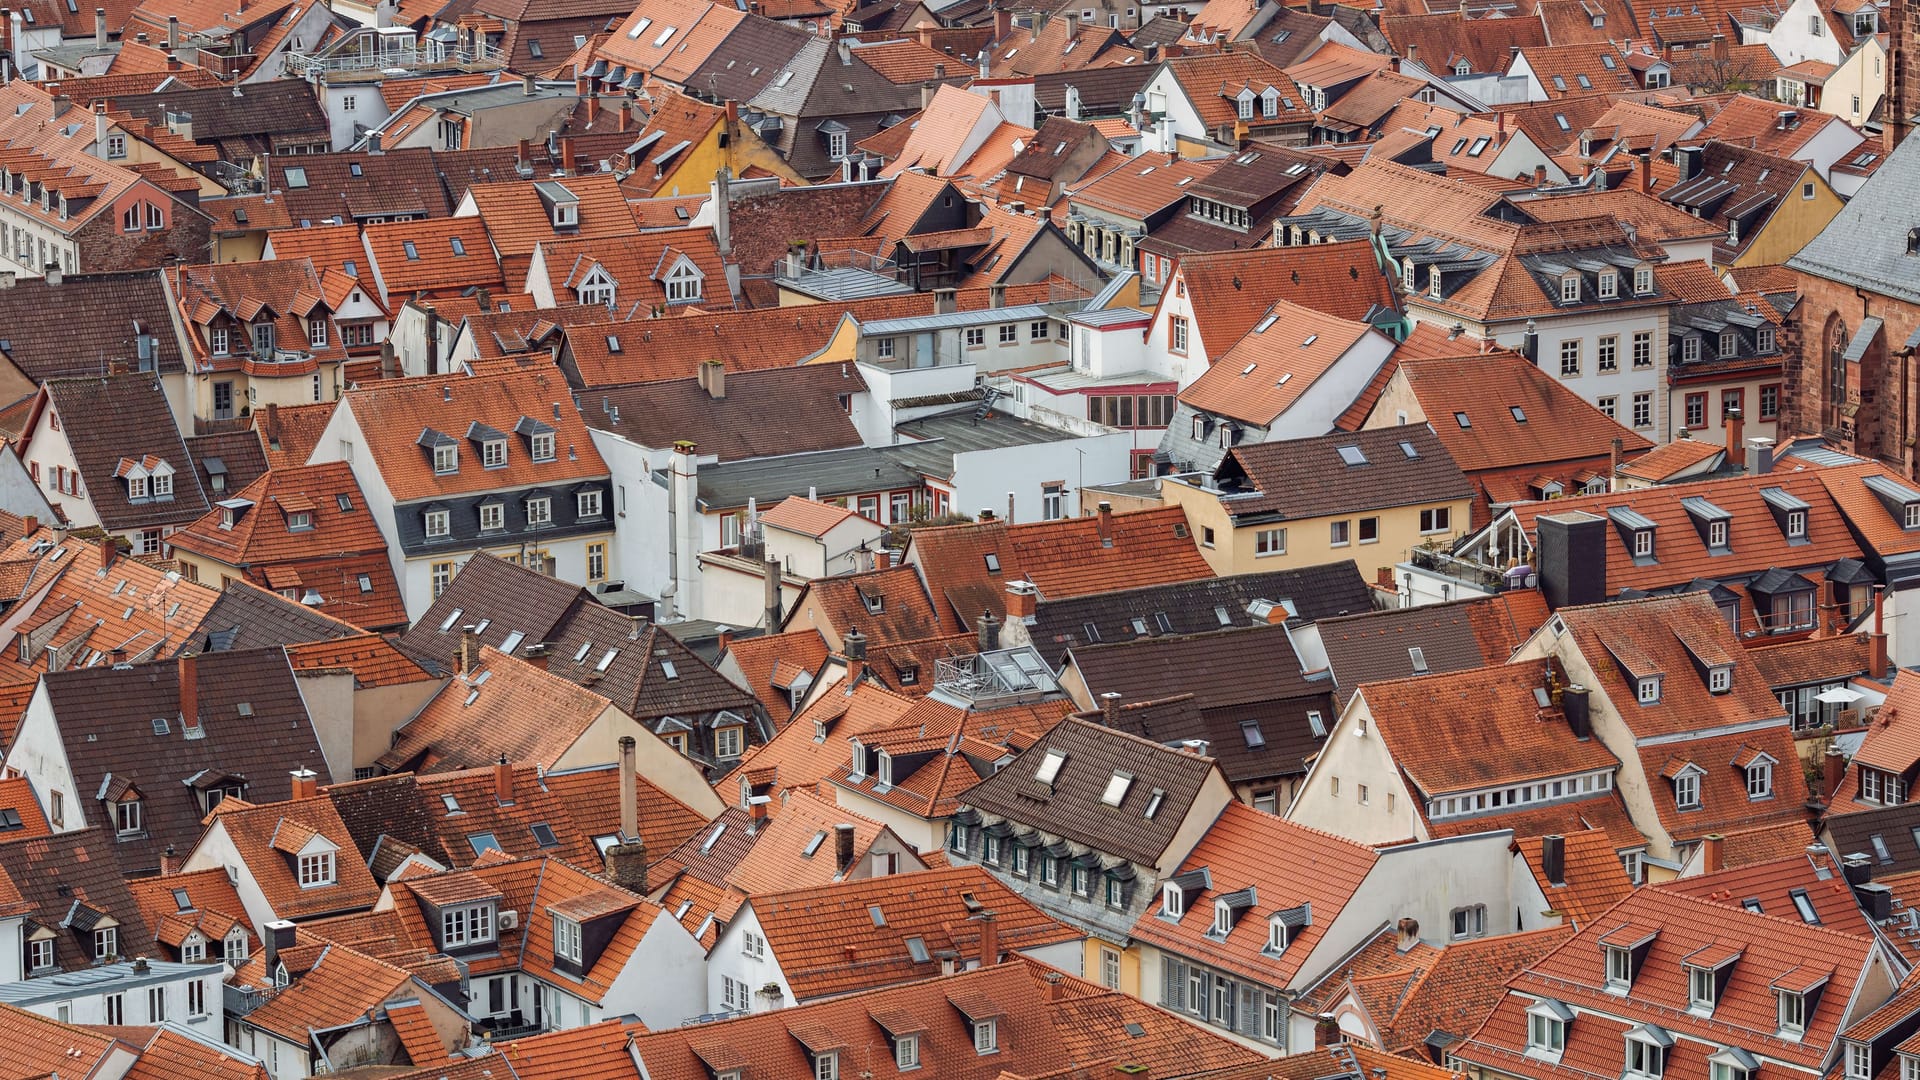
point(1248, 1020)
point(1175, 974)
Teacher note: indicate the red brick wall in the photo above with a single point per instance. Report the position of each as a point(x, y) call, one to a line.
point(1884, 420)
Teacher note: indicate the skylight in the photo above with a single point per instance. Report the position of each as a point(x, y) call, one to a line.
point(917, 948)
point(1519, 414)
point(1050, 766)
point(879, 917)
point(639, 28)
point(606, 661)
point(1265, 323)
point(1117, 786)
point(1407, 449)
point(1461, 419)
point(813, 845)
point(1419, 658)
point(714, 838)
point(1353, 455)
point(1153, 803)
point(664, 35)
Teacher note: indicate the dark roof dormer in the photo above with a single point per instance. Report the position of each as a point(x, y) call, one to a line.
point(1789, 514)
point(1636, 532)
point(1900, 500)
point(1712, 522)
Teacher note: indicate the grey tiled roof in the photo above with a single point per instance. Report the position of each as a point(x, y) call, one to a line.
point(1866, 245)
point(1071, 806)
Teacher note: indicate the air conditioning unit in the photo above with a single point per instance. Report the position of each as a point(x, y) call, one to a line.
point(509, 920)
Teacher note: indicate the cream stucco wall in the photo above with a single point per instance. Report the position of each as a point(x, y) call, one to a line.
point(1309, 541)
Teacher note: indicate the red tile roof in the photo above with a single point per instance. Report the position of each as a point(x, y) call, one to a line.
point(1560, 426)
point(1274, 364)
point(1592, 877)
point(852, 935)
point(1773, 883)
point(174, 1055)
point(1230, 291)
point(1286, 866)
point(772, 664)
point(256, 834)
point(502, 705)
point(518, 220)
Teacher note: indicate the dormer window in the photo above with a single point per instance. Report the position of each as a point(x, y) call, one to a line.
point(566, 215)
point(541, 446)
point(1619, 968)
point(263, 338)
point(1729, 343)
point(136, 487)
point(1270, 103)
point(1173, 901)
point(882, 770)
point(1720, 679)
point(1222, 918)
point(316, 869)
point(684, 283)
point(1647, 690)
point(1609, 285)
point(126, 817)
point(1647, 1048)
point(566, 940)
point(446, 459)
point(1547, 1028)
point(1686, 788)
point(299, 520)
point(1717, 534)
point(1245, 104)
point(436, 524)
point(1570, 289)
point(1406, 274)
point(1792, 1009)
point(1642, 280)
point(493, 453)
point(1434, 282)
point(1276, 935)
point(1643, 544)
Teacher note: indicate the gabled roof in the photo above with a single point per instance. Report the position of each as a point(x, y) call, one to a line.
point(1296, 479)
point(797, 758)
point(256, 834)
point(1212, 82)
point(498, 599)
point(183, 903)
point(499, 706)
point(248, 616)
point(646, 672)
point(771, 666)
point(115, 418)
point(71, 329)
point(66, 882)
point(1341, 280)
point(1503, 735)
point(1892, 741)
point(343, 988)
point(1376, 646)
point(856, 935)
point(1071, 805)
point(968, 566)
point(37, 1046)
point(1464, 982)
point(1303, 876)
point(888, 605)
point(173, 1054)
point(1772, 951)
point(431, 255)
point(785, 854)
point(134, 732)
point(1756, 122)
point(338, 553)
point(1046, 1022)
point(1592, 877)
point(392, 417)
point(519, 219)
point(1306, 593)
point(1276, 363)
point(1440, 40)
point(766, 413)
point(1778, 886)
point(1559, 425)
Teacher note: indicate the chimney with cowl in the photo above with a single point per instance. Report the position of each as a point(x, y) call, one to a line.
point(627, 860)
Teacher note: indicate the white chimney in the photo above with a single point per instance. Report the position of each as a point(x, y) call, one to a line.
point(684, 493)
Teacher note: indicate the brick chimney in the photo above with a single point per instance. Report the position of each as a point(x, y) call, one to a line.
point(757, 806)
point(503, 782)
point(989, 938)
point(1110, 708)
point(306, 784)
point(1106, 523)
point(989, 632)
point(1023, 598)
point(1736, 435)
point(842, 849)
point(189, 692)
point(1833, 769)
point(627, 860)
point(1877, 643)
point(1713, 853)
point(109, 549)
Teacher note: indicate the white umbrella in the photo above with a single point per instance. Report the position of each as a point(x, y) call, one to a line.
point(1839, 695)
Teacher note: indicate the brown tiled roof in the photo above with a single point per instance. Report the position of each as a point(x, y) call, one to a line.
point(1375, 646)
point(830, 940)
point(251, 723)
point(1064, 558)
point(1772, 950)
point(172, 1055)
point(518, 220)
point(1559, 426)
point(292, 432)
point(780, 859)
point(445, 255)
point(1438, 41)
point(213, 909)
point(87, 321)
point(764, 413)
point(1306, 478)
point(1211, 81)
point(342, 989)
point(470, 723)
point(1508, 742)
point(1466, 981)
point(1665, 461)
point(37, 1046)
point(1045, 1026)
point(108, 420)
point(373, 659)
point(392, 416)
point(63, 880)
point(889, 605)
point(794, 759)
point(1773, 882)
point(1811, 660)
point(253, 830)
point(1592, 877)
point(770, 664)
point(1755, 122)
point(1275, 364)
point(1074, 808)
point(1285, 866)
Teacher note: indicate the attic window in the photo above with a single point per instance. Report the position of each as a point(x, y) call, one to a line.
point(1117, 786)
point(1419, 658)
point(413, 253)
point(993, 563)
point(813, 845)
point(1519, 414)
point(295, 177)
point(917, 949)
point(1050, 766)
point(1250, 731)
point(1353, 455)
point(1461, 419)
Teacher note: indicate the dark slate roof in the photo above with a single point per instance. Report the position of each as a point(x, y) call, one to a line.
point(86, 324)
point(1375, 646)
point(353, 186)
point(754, 53)
point(637, 681)
point(1070, 807)
point(793, 410)
point(1866, 245)
point(126, 416)
point(1247, 684)
point(61, 875)
point(253, 721)
point(1106, 91)
point(507, 598)
point(1304, 478)
point(384, 808)
point(239, 456)
point(276, 107)
point(1853, 834)
point(246, 616)
point(1193, 607)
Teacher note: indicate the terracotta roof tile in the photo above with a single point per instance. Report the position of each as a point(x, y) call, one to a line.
point(764, 413)
point(1276, 363)
point(1440, 41)
point(36, 1046)
point(1287, 866)
point(1307, 478)
point(252, 829)
point(784, 856)
point(213, 909)
point(169, 1054)
point(518, 219)
point(1466, 980)
point(373, 660)
point(1210, 82)
point(1773, 884)
point(430, 255)
point(1341, 280)
point(502, 705)
point(1559, 425)
point(1592, 877)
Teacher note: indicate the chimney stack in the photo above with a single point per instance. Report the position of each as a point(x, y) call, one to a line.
point(167, 865)
point(627, 860)
point(1578, 709)
point(280, 934)
point(1736, 434)
point(770, 574)
point(503, 784)
point(853, 645)
point(1106, 523)
point(989, 632)
point(109, 550)
point(1409, 934)
point(1877, 643)
point(843, 849)
point(1833, 769)
point(100, 28)
point(713, 376)
point(173, 33)
point(945, 301)
point(1759, 456)
point(1572, 558)
point(1110, 707)
point(1713, 853)
point(1023, 598)
point(757, 812)
point(306, 784)
point(189, 692)
point(989, 938)
point(1553, 859)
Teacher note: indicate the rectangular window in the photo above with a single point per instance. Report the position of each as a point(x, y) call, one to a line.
point(316, 869)
point(597, 561)
point(1340, 534)
point(1643, 349)
point(1770, 402)
point(566, 939)
point(40, 955)
point(1436, 519)
point(1696, 411)
point(1731, 400)
point(116, 1012)
point(1570, 358)
point(1177, 334)
point(540, 511)
point(1643, 409)
point(1009, 334)
point(197, 998)
point(1270, 542)
point(492, 516)
point(1610, 405)
point(1607, 358)
point(106, 944)
point(976, 337)
point(217, 342)
point(317, 333)
point(727, 741)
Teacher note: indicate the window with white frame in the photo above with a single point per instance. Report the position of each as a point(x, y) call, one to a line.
point(1792, 1010)
point(316, 869)
point(1470, 922)
point(540, 511)
point(727, 741)
point(1760, 780)
point(317, 333)
point(1645, 1057)
point(40, 955)
point(217, 340)
point(753, 946)
point(1859, 1061)
point(986, 1036)
point(1270, 542)
point(906, 1052)
point(587, 504)
point(684, 282)
point(540, 446)
point(467, 925)
point(566, 939)
point(1686, 790)
point(1609, 285)
point(493, 516)
point(106, 944)
point(437, 524)
point(1570, 288)
point(1546, 1033)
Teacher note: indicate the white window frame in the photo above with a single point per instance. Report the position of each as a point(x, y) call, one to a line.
point(316, 870)
point(566, 939)
point(986, 1036)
